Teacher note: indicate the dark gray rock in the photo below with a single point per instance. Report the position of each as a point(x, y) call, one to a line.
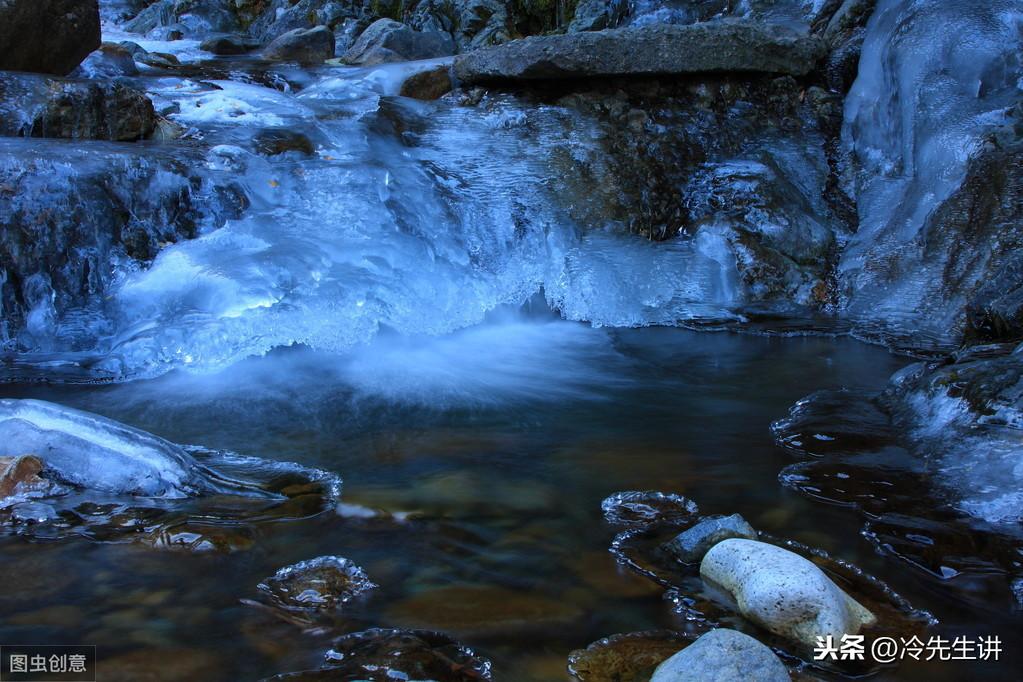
point(712, 47)
point(47, 37)
point(471, 23)
point(691, 544)
point(191, 18)
point(723, 656)
point(596, 15)
point(306, 46)
point(387, 40)
point(227, 45)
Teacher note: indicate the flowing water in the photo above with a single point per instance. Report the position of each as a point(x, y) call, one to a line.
point(382, 310)
point(502, 440)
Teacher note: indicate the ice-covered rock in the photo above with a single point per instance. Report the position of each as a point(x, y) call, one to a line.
point(938, 79)
point(783, 592)
point(92, 452)
point(318, 584)
point(723, 655)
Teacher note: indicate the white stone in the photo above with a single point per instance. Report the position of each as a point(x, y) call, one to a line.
point(723, 656)
point(783, 592)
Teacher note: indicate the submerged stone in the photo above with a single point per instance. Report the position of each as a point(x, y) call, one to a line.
point(783, 592)
point(723, 656)
point(693, 543)
point(318, 584)
point(384, 655)
point(630, 657)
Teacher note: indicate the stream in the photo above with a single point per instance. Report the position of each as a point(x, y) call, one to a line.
point(409, 297)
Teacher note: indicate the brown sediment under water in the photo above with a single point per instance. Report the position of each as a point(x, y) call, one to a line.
point(486, 469)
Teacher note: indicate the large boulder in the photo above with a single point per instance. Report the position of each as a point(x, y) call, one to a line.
point(47, 37)
point(723, 656)
point(306, 46)
point(783, 592)
point(712, 47)
point(77, 110)
point(387, 40)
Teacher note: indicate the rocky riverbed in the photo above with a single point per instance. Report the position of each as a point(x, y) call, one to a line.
point(445, 251)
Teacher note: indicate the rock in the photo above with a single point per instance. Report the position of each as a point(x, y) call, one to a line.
point(175, 19)
point(693, 543)
point(783, 592)
point(386, 40)
point(306, 46)
point(713, 47)
point(227, 45)
point(319, 584)
point(272, 141)
point(20, 474)
point(157, 60)
point(118, 206)
point(47, 37)
point(429, 84)
point(95, 111)
point(96, 453)
point(596, 15)
point(109, 61)
point(630, 656)
point(472, 23)
point(644, 508)
point(386, 654)
point(723, 656)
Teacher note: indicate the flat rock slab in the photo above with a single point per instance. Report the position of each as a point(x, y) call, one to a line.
point(711, 47)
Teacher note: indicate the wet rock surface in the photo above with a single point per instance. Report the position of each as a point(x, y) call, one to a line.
point(724, 656)
point(692, 544)
point(47, 37)
point(701, 48)
point(429, 84)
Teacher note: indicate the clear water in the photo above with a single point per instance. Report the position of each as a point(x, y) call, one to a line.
point(504, 438)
